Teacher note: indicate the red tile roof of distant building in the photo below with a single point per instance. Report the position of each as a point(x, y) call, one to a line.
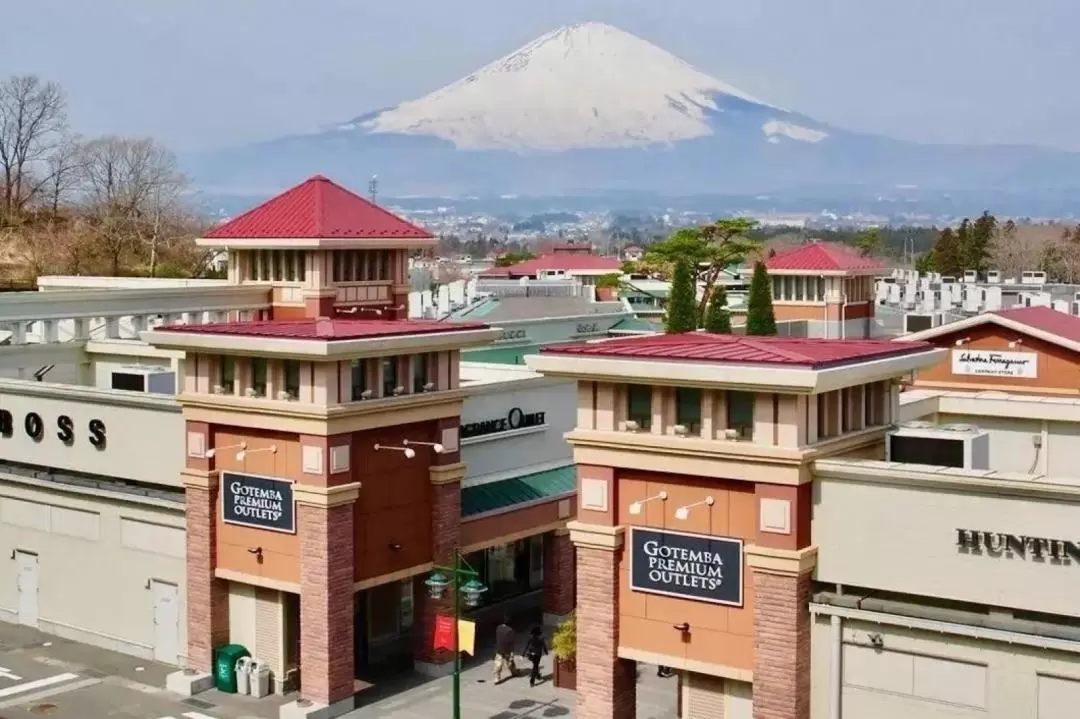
point(568, 262)
point(737, 349)
point(318, 208)
point(325, 329)
point(823, 257)
point(1046, 319)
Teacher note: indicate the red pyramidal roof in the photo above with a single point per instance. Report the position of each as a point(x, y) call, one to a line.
point(822, 257)
point(318, 208)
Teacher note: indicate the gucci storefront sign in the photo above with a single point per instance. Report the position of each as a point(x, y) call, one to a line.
point(689, 566)
point(251, 500)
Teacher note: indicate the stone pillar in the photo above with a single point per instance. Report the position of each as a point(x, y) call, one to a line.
point(781, 630)
point(326, 528)
point(607, 684)
point(207, 600)
point(560, 578)
point(320, 303)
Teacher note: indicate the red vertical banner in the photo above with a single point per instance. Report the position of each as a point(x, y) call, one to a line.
point(444, 632)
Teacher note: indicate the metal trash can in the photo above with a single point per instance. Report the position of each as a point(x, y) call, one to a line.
point(260, 679)
point(225, 658)
point(243, 675)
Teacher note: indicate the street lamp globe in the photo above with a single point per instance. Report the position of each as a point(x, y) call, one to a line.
point(471, 592)
point(437, 584)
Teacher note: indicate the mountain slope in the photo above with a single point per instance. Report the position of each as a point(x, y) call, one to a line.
point(590, 107)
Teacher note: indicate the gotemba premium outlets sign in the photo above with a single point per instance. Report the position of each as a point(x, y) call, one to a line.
point(1023, 365)
point(514, 419)
point(688, 566)
point(260, 502)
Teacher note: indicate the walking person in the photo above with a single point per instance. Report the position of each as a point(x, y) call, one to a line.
point(535, 649)
point(504, 650)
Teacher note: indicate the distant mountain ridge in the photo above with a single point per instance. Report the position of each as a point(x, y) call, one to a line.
point(592, 108)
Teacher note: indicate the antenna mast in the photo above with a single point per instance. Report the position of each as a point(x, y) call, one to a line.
point(373, 188)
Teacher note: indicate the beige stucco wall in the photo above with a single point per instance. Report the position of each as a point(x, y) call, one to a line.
point(96, 557)
point(904, 539)
point(921, 675)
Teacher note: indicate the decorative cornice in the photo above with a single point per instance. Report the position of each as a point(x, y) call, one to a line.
point(199, 478)
point(770, 560)
point(596, 536)
point(447, 473)
point(310, 495)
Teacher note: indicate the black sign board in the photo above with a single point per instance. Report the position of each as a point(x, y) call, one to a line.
point(260, 502)
point(687, 566)
point(514, 419)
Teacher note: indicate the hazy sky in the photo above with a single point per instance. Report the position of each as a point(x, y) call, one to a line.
point(206, 73)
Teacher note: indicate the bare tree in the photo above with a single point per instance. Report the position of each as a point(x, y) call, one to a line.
point(63, 173)
point(32, 117)
point(129, 187)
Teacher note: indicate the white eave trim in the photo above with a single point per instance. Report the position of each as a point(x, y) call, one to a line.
point(330, 243)
point(1007, 323)
point(327, 349)
point(762, 377)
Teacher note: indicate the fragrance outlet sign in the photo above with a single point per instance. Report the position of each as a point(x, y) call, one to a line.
point(514, 419)
point(1023, 365)
point(249, 500)
point(689, 566)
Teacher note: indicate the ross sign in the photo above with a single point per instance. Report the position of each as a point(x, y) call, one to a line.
point(689, 566)
point(509, 335)
point(999, 544)
point(444, 633)
point(249, 500)
point(515, 419)
point(588, 328)
point(986, 363)
point(33, 424)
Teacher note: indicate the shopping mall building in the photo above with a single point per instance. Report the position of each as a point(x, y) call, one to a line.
point(829, 529)
point(280, 464)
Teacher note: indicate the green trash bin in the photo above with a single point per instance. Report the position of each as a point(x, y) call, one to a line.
point(225, 658)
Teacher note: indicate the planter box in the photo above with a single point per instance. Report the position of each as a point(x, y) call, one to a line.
point(565, 674)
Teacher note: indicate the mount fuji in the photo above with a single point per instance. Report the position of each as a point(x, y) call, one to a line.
point(591, 108)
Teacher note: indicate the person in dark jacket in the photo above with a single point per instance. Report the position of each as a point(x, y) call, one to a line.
point(535, 649)
point(504, 650)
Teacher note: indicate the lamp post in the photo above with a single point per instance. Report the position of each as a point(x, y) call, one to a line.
point(467, 586)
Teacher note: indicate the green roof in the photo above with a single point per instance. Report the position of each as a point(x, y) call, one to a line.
point(501, 355)
point(636, 324)
point(528, 488)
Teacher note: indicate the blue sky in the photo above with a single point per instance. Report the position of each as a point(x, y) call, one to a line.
point(207, 73)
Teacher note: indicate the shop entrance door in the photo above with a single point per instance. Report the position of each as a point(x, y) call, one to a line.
point(27, 566)
point(166, 621)
point(360, 632)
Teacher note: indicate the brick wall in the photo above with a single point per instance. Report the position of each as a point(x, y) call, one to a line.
point(560, 586)
point(207, 596)
point(326, 602)
point(608, 685)
point(781, 646)
point(445, 523)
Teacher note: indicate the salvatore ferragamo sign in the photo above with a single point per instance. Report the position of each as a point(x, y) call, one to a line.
point(986, 363)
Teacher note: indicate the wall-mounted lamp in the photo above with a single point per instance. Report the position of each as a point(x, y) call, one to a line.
point(399, 390)
point(409, 452)
point(962, 341)
point(394, 547)
point(438, 448)
point(636, 507)
point(684, 627)
point(258, 552)
point(214, 450)
point(876, 640)
point(367, 394)
point(1016, 343)
point(683, 513)
point(243, 454)
point(428, 386)
point(631, 426)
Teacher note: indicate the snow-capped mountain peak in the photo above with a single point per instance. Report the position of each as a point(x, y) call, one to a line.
point(583, 86)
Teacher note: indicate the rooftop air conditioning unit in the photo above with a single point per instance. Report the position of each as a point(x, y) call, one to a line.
point(962, 446)
point(142, 378)
point(918, 322)
point(993, 277)
point(971, 276)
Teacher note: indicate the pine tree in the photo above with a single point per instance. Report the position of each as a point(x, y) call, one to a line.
point(760, 318)
point(682, 302)
point(717, 317)
point(945, 255)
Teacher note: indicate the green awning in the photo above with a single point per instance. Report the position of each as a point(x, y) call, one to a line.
point(526, 489)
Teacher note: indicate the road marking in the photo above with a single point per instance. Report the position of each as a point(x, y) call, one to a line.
point(37, 684)
point(38, 696)
point(6, 674)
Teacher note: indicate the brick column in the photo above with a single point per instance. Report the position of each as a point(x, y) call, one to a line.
point(560, 578)
point(445, 535)
point(327, 622)
point(207, 596)
point(607, 685)
point(781, 631)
